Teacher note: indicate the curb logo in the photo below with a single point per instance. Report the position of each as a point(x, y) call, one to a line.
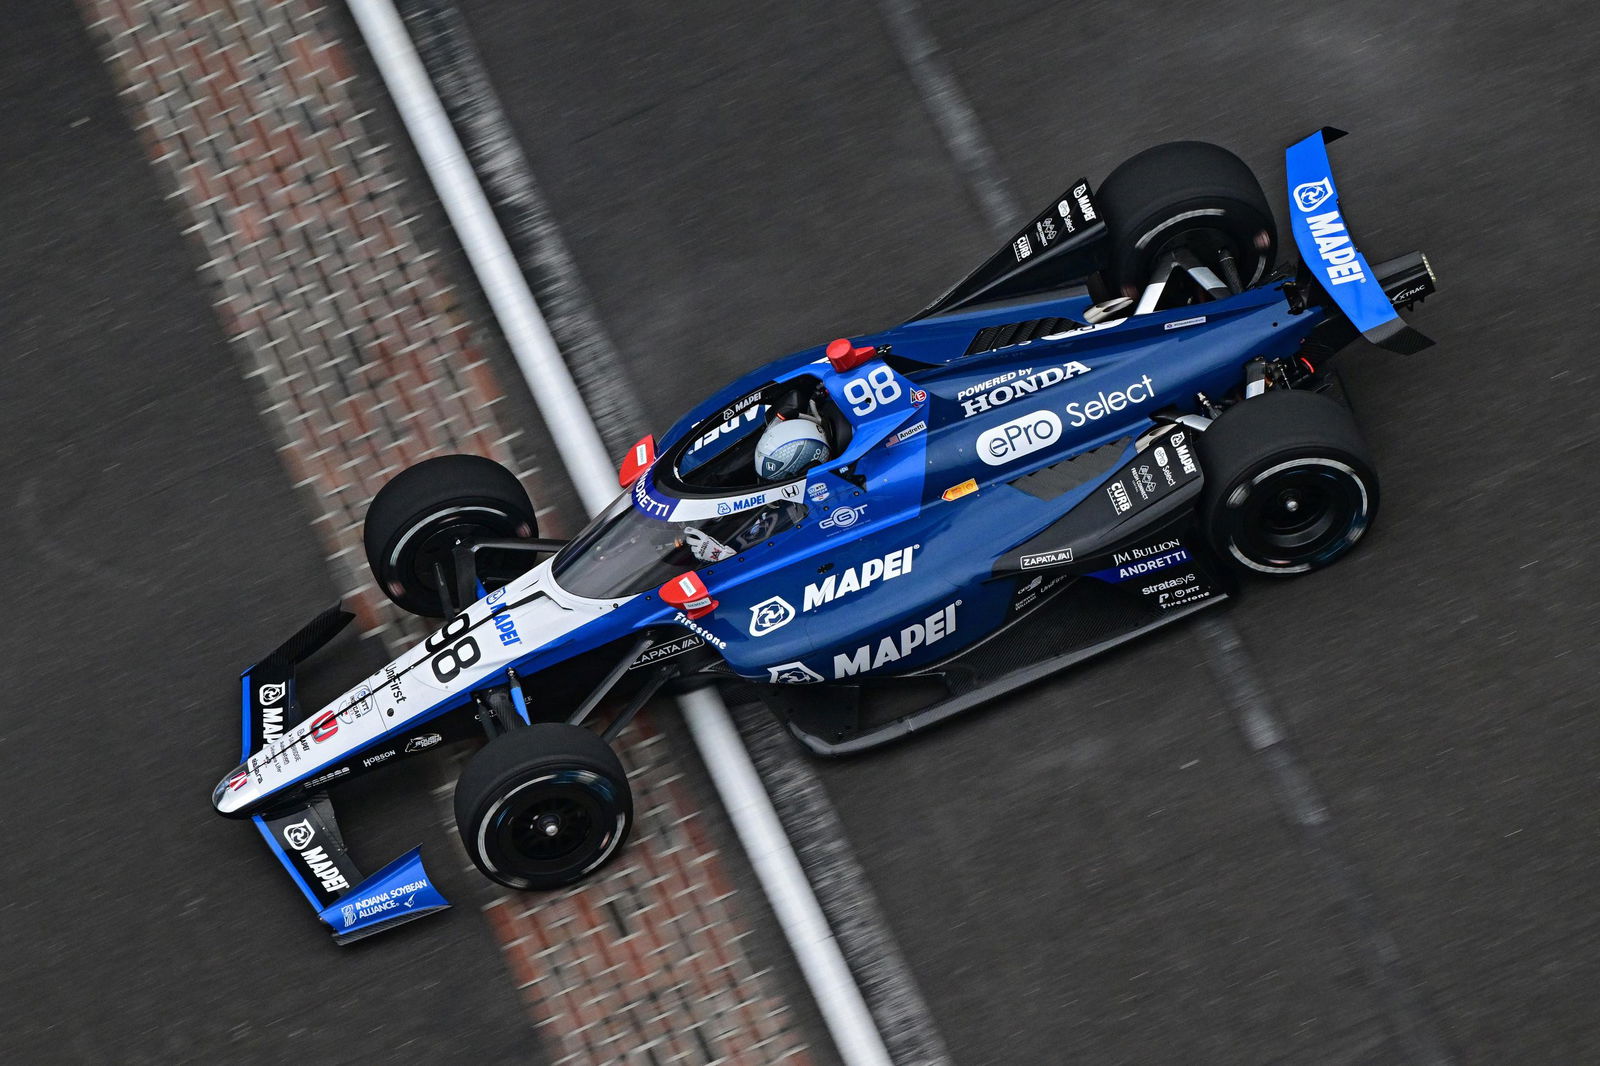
point(1312, 194)
point(770, 614)
point(298, 835)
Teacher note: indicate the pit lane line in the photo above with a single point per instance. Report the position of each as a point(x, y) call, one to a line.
point(1235, 674)
point(528, 335)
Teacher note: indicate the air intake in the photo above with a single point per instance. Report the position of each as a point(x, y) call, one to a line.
point(991, 338)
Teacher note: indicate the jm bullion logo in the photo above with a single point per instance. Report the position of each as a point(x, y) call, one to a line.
point(770, 614)
point(1312, 194)
point(298, 835)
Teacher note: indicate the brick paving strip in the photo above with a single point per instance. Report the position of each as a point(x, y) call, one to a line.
point(342, 316)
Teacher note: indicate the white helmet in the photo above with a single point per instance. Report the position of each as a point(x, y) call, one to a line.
point(788, 448)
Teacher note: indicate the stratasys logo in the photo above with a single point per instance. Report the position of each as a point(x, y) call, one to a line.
point(1310, 195)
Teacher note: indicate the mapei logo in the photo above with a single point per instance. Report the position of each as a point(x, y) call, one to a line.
point(857, 578)
point(792, 674)
point(271, 697)
point(1312, 194)
point(770, 614)
point(298, 835)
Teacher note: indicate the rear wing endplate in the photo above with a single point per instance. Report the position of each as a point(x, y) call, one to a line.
point(1329, 254)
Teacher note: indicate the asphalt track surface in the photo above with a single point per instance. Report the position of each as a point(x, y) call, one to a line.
point(1095, 871)
point(154, 548)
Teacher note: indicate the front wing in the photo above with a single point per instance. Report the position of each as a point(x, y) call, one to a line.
point(305, 838)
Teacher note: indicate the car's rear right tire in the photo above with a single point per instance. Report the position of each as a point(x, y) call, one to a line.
point(1290, 485)
point(543, 806)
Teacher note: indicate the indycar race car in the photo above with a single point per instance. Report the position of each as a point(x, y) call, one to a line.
point(1089, 437)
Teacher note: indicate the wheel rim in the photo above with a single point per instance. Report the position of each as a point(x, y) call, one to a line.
point(431, 542)
point(1298, 515)
point(553, 828)
point(1205, 233)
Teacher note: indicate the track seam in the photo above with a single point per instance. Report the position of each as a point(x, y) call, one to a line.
point(1264, 734)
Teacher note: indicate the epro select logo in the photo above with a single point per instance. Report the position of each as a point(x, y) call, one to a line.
point(1021, 436)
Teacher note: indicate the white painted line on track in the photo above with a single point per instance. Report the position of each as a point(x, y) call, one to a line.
point(974, 157)
point(838, 997)
point(492, 261)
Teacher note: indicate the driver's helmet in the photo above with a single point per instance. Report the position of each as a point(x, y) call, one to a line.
point(789, 447)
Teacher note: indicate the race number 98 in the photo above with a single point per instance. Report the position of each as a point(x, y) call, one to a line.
point(877, 387)
point(448, 662)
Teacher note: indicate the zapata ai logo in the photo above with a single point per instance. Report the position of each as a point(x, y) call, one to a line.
point(298, 835)
point(1310, 196)
point(770, 614)
point(271, 694)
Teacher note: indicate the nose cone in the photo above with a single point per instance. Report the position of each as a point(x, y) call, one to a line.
point(232, 791)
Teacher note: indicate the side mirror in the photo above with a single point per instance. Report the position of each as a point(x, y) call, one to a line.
point(688, 594)
point(638, 460)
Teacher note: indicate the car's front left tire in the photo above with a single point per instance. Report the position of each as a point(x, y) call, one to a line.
point(543, 806)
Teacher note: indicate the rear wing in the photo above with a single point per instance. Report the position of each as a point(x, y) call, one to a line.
point(1365, 296)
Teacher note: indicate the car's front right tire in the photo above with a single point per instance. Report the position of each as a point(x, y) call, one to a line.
point(543, 806)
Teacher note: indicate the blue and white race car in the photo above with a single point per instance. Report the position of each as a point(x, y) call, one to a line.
point(1089, 437)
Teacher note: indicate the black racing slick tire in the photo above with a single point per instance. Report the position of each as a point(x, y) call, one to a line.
point(543, 806)
point(1290, 485)
point(418, 518)
point(1184, 194)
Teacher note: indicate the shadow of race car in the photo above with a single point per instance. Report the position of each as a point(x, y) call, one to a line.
point(1091, 436)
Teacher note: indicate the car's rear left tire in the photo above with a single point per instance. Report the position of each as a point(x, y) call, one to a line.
point(1184, 194)
point(416, 520)
point(1290, 484)
point(543, 806)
